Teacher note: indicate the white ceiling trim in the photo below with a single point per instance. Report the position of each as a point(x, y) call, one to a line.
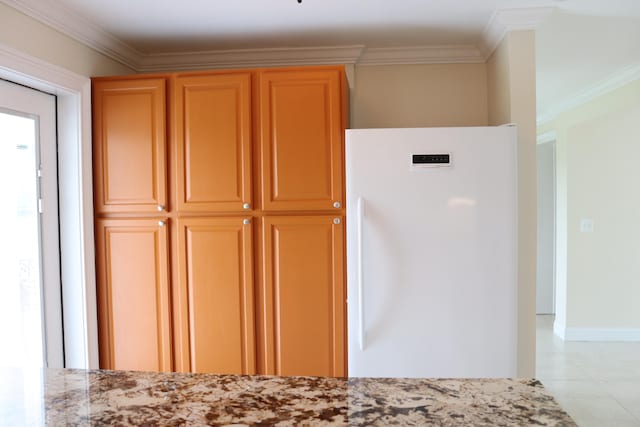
point(506, 20)
point(77, 27)
point(421, 55)
point(245, 58)
point(608, 84)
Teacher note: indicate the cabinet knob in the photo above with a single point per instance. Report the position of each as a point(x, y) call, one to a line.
point(246, 221)
point(160, 208)
point(336, 221)
point(246, 206)
point(161, 223)
point(337, 205)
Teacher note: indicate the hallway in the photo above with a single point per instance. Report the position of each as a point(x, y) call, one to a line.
point(597, 383)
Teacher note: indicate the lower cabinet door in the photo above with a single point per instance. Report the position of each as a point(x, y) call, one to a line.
point(215, 303)
point(133, 294)
point(303, 296)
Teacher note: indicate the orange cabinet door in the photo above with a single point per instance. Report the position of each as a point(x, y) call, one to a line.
point(133, 295)
point(301, 139)
point(129, 143)
point(215, 305)
point(213, 142)
point(303, 296)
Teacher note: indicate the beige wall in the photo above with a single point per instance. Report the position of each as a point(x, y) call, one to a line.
point(599, 148)
point(501, 91)
point(419, 96)
point(499, 86)
point(27, 35)
point(511, 99)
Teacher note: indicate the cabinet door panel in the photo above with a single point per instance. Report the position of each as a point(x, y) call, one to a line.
point(133, 295)
point(213, 135)
point(129, 145)
point(216, 270)
point(303, 295)
point(301, 133)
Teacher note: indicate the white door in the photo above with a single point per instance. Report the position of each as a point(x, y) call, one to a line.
point(30, 303)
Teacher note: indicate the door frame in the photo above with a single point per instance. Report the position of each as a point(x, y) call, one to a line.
point(40, 107)
point(75, 178)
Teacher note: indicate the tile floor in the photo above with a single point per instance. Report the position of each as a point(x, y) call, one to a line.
point(597, 383)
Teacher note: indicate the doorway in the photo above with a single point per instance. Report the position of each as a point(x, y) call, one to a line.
point(545, 275)
point(30, 296)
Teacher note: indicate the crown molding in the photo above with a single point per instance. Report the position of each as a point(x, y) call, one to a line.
point(88, 33)
point(421, 55)
point(242, 58)
point(505, 20)
point(64, 20)
point(610, 83)
point(357, 54)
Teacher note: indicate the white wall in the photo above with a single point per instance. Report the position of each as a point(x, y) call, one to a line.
point(604, 185)
point(598, 178)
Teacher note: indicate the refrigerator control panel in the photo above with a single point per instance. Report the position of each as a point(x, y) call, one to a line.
point(441, 160)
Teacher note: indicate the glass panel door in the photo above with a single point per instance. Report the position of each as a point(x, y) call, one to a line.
point(30, 306)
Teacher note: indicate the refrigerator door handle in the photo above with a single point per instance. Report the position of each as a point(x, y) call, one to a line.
point(361, 331)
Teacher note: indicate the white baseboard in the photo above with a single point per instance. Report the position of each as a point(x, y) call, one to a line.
point(599, 334)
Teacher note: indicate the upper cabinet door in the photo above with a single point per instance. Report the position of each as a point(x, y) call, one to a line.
point(301, 139)
point(215, 303)
point(133, 295)
point(129, 136)
point(213, 142)
point(302, 296)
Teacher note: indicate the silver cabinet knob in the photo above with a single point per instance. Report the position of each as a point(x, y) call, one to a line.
point(337, 205)
point(336, 221)
point(160, 208)
point(246, 221)
point(161, 223)
point(246, 206)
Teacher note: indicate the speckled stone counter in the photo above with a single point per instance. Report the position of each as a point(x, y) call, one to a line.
point(76, 397)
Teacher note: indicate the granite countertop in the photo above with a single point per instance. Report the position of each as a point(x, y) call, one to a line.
point(78, 397)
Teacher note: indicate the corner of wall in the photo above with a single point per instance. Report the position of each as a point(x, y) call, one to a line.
point(511, 99)
point(25, 34)
point(498, 84)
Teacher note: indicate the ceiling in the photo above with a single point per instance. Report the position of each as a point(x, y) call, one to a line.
point(152, 26)
point(580, 44)
point(580, 54)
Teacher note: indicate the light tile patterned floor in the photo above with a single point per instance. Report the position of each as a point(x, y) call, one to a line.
point(598, 384)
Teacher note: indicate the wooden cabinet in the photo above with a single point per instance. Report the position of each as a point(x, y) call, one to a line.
point(246, 167)
point(213, 142)
point(133, 295)
point(215, 306)
point(303, 295)
point(129, 144)
point(301, 139)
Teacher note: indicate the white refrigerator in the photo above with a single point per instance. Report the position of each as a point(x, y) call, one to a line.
point(432, 252)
